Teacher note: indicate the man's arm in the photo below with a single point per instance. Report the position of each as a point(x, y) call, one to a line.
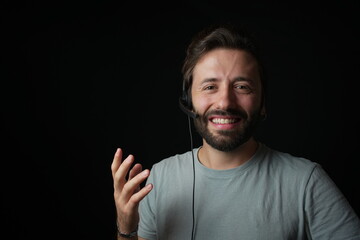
point(127, 192)
point(329, 214)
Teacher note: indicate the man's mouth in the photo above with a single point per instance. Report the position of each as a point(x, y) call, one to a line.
point(222, 120)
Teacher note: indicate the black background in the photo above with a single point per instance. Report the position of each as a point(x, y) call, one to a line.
point(80, 79)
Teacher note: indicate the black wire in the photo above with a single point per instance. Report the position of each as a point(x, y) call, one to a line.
point(193, 193)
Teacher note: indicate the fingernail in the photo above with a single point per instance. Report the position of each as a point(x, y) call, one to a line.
point(129, 159)
point(145, 173)
point(117, 151)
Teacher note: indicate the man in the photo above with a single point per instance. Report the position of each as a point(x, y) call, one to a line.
point(232, 187)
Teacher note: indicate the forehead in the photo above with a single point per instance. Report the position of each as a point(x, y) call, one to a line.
point(229, 63)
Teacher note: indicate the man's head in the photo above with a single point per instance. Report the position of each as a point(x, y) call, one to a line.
point(223, 81)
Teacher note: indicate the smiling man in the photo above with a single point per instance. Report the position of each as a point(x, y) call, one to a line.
point(226, 92)
point(233, 186)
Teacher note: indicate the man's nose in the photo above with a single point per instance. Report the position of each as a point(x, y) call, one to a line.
point(226, 98)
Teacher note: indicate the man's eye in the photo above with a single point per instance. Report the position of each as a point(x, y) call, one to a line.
point(209, 87)
point(243, 88)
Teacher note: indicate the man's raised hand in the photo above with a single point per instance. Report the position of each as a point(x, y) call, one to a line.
point(127, 191)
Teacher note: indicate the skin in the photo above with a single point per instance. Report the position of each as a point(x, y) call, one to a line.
point(222, 79)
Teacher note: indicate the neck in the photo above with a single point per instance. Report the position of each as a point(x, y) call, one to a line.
point(215, 159)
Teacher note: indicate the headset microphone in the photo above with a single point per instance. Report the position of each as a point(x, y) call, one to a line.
point(186, 110)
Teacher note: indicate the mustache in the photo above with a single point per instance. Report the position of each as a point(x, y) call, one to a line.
point(227, 112)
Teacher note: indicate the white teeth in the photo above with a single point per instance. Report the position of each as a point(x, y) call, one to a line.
point(223, 120)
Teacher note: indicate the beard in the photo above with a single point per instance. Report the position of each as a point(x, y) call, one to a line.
point(228, 140)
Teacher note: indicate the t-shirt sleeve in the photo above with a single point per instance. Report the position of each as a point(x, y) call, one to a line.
point(329, 214)
point(147, 224)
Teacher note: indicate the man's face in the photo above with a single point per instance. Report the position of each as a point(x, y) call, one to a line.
point(226, 93)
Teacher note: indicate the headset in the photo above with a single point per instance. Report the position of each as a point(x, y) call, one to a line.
point(185, 105)
point(185, 102)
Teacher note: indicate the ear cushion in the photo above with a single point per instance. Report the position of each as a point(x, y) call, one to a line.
point(185, 97)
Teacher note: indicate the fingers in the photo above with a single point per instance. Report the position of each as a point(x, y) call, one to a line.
point(135, 170)
point(122, 171)
point(132, 185)
point(137, 197)
point(116, 161)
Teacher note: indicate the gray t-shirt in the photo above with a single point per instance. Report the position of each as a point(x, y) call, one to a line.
point(274, 195)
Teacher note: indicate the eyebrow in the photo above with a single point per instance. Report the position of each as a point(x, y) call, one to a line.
point(237, 79)
point(207, 80)
point(243, 79)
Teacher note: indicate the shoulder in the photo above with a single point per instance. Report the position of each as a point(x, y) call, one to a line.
point(297, 172)
point(177, 162)
point(289, 163)
point(176, 168)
